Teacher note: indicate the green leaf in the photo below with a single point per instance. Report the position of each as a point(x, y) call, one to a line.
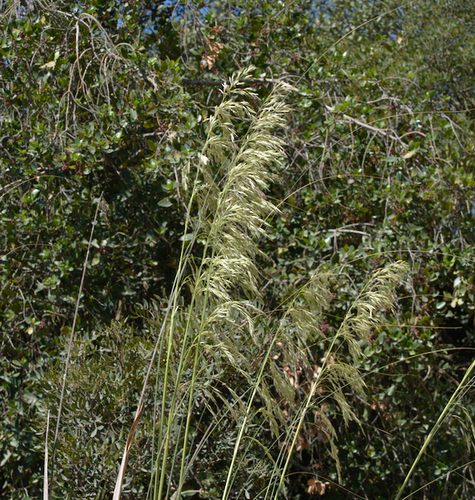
point(165, 203)
point(187, 237)
point(49, 65)
point(409, 154)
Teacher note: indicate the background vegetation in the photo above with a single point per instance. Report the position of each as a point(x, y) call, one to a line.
point(109, 102)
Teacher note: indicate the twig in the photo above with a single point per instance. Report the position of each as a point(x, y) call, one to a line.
point(376, 130)
point(70, 346)
point(264, 81)
point(256, 81)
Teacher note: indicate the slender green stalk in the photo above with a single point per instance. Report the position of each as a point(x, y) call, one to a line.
point(438, 479)
point(303, 411)
point(232, 213)
point(227, 254)
point(358, 322)
point(185, 254)
point(192, 387)
point(45, 482)
point(242, 428)
point(461, 387)
point(160, 478)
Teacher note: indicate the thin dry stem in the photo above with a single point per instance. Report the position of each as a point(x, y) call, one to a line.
point(71, 338)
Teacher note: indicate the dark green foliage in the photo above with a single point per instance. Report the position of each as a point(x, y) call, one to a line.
point(379, 168)
point(104, 383)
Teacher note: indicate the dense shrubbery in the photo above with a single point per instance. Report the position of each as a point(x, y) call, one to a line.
point(113, 99)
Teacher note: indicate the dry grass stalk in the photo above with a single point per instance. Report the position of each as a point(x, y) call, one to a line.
point(125, 457)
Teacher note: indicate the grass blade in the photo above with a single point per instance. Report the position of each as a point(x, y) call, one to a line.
point(125, 457)
point(434, 429)
point(45, 484)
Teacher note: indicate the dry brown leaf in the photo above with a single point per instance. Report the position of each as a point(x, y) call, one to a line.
point(316, 487)
point(322, 436)
point(291, 376)
point(215, 47)
point(321, 429)
point(209, 58)
point(382, 406)
point(302, 443)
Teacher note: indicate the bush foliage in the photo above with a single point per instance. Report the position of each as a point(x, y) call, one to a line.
point(113, 103)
